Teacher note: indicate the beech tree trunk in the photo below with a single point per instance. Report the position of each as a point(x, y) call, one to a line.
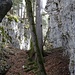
point(34, 37)
point(39, 25)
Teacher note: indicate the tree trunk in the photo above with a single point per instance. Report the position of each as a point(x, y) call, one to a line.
point(39, 25)
point(34, 37)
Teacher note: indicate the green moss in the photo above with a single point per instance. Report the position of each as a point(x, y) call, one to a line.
point(12, 17)
point(27, 26)
point(33, 29)
point(5, 35)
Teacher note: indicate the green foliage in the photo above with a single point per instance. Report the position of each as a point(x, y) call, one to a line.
point(27, 26)
point(12, 17)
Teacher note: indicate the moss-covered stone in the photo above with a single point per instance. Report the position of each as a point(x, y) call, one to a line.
point(4, 65)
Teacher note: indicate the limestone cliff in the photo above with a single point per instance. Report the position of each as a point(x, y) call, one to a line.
point(62, 27)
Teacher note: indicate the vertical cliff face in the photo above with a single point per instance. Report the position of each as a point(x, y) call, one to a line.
point(62, 27)
point(12, 29)
point(18, 34)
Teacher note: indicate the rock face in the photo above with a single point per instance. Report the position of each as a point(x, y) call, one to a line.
point(19, 35)
point(13, 26)
point(62, 27)
point(5, 6)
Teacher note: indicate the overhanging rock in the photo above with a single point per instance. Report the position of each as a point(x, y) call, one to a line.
point(5, 6)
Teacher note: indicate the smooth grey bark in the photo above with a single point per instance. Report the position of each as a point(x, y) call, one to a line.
point(34, 37)
point(39, 25)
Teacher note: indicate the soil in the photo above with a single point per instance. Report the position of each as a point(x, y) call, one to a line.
point(55, 63)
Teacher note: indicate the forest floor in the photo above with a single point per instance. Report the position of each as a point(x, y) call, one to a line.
point(55, 63)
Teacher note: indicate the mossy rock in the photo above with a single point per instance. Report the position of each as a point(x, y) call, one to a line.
point(4, 65)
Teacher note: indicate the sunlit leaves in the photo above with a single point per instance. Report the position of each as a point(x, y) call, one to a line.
point(12, 17)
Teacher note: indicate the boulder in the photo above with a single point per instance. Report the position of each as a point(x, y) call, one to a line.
point(5, 6)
